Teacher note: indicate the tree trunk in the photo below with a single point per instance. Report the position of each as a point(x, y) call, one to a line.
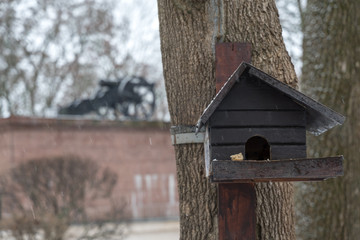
point(330, 209)
point(189, 30)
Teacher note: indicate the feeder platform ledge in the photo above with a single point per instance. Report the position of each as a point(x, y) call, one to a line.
point(306, 169)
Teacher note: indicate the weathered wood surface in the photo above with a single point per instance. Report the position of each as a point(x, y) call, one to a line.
point(250, 93)
point(276, 151)
point(288, 135)
point(319, 118)
point(237, 204)
point(258, 118)
point(278, 170)
point(228, 58)
point(280, 152)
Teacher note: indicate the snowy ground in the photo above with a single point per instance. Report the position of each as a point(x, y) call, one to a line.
point(164, 230)
point(149, 230)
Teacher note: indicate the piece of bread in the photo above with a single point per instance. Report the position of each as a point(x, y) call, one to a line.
point(237, 157)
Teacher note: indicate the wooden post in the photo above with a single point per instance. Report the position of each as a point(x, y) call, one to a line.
point(228, 57)
point(237, 201)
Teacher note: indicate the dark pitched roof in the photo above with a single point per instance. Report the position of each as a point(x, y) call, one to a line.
point(319, 117)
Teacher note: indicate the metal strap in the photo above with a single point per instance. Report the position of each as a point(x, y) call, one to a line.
point(186, 134)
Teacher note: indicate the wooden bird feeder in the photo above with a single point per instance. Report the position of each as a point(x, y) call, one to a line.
point(265, 120)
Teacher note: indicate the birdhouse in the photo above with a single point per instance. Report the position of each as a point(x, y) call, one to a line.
point(256, 131)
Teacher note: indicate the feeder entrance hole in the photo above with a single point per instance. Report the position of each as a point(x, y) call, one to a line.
point(257, 148)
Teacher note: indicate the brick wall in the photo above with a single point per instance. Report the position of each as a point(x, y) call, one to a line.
point(140, 152)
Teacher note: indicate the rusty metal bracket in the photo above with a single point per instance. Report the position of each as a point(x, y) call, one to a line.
point(182, 134)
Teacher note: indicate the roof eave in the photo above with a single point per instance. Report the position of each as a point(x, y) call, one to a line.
point(320, 118)
point(209, 110)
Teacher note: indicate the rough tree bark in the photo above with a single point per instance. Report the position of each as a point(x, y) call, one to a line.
point(189, 30)
point(331, 70)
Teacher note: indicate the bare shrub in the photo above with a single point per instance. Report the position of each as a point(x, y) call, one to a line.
point(46, 195)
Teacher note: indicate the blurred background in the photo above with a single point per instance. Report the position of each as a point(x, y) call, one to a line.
point(84, 129)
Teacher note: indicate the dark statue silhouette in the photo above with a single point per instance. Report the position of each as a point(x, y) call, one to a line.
point(132, 97)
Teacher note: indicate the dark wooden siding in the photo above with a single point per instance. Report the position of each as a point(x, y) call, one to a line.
point(277, 151)
point(279, 135)
point(252, 108)
point(252, 94)
point(279, 170)
point(258, 118)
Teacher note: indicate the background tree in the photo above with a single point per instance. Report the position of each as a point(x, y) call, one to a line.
point(330, 209)
point(47, 45)
point(189, 30)
point(53, 52)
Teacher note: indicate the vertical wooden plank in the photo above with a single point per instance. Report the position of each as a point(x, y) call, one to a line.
point(228, 58)
point(237, 219)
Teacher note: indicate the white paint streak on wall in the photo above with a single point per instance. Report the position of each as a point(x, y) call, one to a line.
point(171, 190)
point(163, 182)
point(148, 182)
point(146, 194)
point(154, 179)
point(136, 197)
point(138, 182)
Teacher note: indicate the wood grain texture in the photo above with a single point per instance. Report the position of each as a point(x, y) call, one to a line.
point(228, 58)
point(277, 152)
point(319, 117)
point(277, 170)
point(237, 217)
point(188, 67)
point(250, 93)
point(224, 152)
point(288, 151)
point(249, 88)
point(227, 136)
point(237, 205)
point(257, 118)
